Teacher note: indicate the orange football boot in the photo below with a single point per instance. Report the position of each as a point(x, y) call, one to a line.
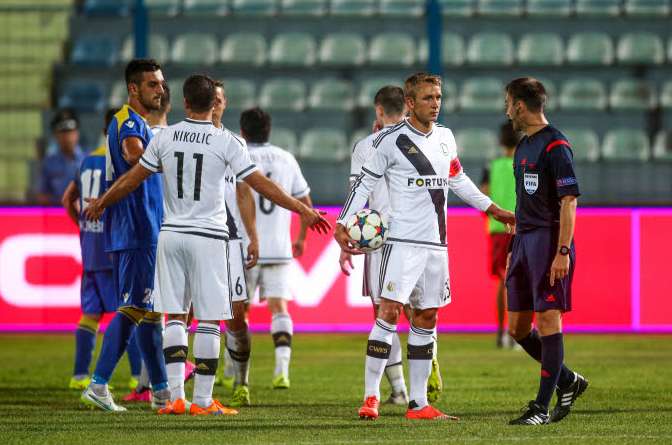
point(369, 411)
point(178, 407)
point(215, 409)
point(428, 413)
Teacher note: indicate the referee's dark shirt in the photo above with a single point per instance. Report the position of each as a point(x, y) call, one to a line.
point(544, 173)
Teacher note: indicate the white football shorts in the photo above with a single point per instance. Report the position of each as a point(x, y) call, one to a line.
point(193, 269)
point(237, 267)
point(370, 284)
point(271, 279)
point(415, 275)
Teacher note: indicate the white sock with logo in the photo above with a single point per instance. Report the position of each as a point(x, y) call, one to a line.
point(420, 352)
point(175, 344)
point(377, 354)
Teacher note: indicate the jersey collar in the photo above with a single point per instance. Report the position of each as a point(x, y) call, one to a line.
point(198, 122)
point(418, 132)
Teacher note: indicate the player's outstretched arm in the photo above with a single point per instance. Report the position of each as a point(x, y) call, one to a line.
point(299, 243)
point(271, 191)
point(245, 200)
point(70, 201)
point(132, 150)
point(560, 266)
point(120, 189)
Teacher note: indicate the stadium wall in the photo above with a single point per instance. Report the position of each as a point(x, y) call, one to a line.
point(622, 281)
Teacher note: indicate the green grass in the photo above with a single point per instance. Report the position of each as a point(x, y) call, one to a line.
point(629, 400)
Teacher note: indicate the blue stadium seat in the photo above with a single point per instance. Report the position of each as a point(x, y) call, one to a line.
point(163, 7)
point(293, 49)
point(506, 8)
point(476, 143)
point(490, 48)
point(343, 48)
point(83, 96)
point(107, 7)
point(324, 144)
point(625, 144)
point(240, 94)
point(245, 48)
point(482, 94)
point(590, 48)
point(583, 94)
point(629, 94)
point(98, 51)
point(392, 48)
point(549, 8)
point(452, 49)
point(608, 8)
point(584, 142)
point(332, 94)
point(283, 94)
point(195, 49)
point(158, 48)
point(457, 8)
point(254, 7)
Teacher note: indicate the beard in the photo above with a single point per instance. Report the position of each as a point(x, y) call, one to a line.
point(149, 103)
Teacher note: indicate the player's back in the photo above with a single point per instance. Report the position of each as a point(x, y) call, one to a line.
point(379, 199)
point(273, 222)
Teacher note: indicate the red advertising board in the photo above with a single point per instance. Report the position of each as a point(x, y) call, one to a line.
point(620, 283)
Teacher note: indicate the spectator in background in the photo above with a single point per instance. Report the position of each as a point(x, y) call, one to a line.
point(500, 185)
point(58, 169)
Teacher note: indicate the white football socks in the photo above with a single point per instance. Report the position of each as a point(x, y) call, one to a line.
point(394, 369)
point(228, 364)
point(206, 356)
point(377, 355)
point(238, 346)
point(175, 348)
point(420, 353)
point(282, 330)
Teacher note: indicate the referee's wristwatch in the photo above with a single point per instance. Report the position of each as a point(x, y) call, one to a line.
point(564, 250)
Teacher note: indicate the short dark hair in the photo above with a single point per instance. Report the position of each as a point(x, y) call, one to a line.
point(109, 115)
point(508, 137)
point(255, 123)
point(413, 82)
point(219, 84)
point(528, 90)
point(137, 67)
point(391, 98)
point(199, 92)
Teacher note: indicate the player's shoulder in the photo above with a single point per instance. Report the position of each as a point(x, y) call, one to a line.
point(127, 116)
point(552, 139)
point(384, 134)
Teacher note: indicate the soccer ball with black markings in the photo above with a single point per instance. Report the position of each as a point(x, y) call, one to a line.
point(367, 230)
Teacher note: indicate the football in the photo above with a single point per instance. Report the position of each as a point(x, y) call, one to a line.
point(367, 230)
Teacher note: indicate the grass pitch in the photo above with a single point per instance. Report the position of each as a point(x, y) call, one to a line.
point(629, 400)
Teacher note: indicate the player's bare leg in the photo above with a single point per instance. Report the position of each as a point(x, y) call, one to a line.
point(282, 330)
point(238, 343)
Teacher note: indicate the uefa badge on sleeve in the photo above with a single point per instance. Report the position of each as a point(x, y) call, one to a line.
point(531, 181)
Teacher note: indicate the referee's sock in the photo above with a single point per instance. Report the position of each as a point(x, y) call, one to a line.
point(552, 355)
point(532, 345)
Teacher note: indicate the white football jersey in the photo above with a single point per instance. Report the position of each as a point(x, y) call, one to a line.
point(156, 129)
point(233, 221)
point(273, 221)
point(362, 151)
point(419, 169)
point(193, 156)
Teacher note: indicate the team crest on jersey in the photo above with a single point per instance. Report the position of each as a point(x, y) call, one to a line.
point(444, 149)
point(130, 124)
point(531, 182)
point(390, 286)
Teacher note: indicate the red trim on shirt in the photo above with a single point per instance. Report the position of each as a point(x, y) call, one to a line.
point(554, 144)
point(455, 167)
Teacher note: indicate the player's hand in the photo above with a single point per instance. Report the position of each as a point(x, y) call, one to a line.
point(314, 219)
point(501, 215)
point(510, 229)
point(343, 239)
point(93, 210)
point(345, 261)
point(297, 247)
point(559, 268)
point(252, 254)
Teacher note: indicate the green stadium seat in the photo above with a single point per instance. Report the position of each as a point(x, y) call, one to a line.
point(163, 7)
point(405, 8)
point(119, 94)
point(482, 94)
point(23, 90)
point(285, 138)
point(370, 87)
point(195, 49)
point(283, 94)
point(449, 96)
point(666, 95)
point(625, 144)
point(83, 96)
point(332, 94)
point(392, 48)
point(610, 8)
point(476, 143)
point(662, 147)
point(176, 97)
point(628, 94)
point(358, 135)
point(551, 93)
point(584, 142)
point(95, 51)
point(293, 49)
point(245, 48)
point(642, 8)
point(457, 8)
point(500, 7)
point(205, 7)
point(640, 48)
point(240, 94)
point(583, 94)
point(343, 49)
point(304, 7)
point(158, 48)
point(353, 7)
point(107, 7)
point(452, 49)
point(490, 48)
point(19, 125)
point(17, 180)
point(549, 8)
point(324, 144)
point(254, 7)
point(590, 48)
point(541, 49)
point(33, 24)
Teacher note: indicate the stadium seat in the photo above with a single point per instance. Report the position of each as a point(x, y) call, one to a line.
point(158, 48)
point(476, 143)
point(283, 94)
point(500, 7)
point(107, 7)
point(119, 94)
point(452, 49)
point(392, 48)
point(625, 144)
point(353, 7)
point(304, 7)
point(598, 7)
point(549, 8)
point(293, 49)
point(84, 96)
point(240, 94)
point(583, 94)
point(653, 8)
point(285, 138)
point(176, 97)
point(662, 147)
point(332, 94)
point(195, 48)
point(370, 87)
point(490, 48)
point(17, 180)
point(640, 48)
point(404, 8)
point(584, 142)
point(541, 49)
point(324, 144)
point(551, 93)
point(457, 8)
point(205, 7)
point(23, 90)
point(343, 49)
point(590, 48)
point(482, 94)
point(449, 96)
point(669, 50)
point(245, 48)
point(666, 95)
point(254, 7)
point(628, 94)
point(163, 7)
point(98, 51)
point(18, 125)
